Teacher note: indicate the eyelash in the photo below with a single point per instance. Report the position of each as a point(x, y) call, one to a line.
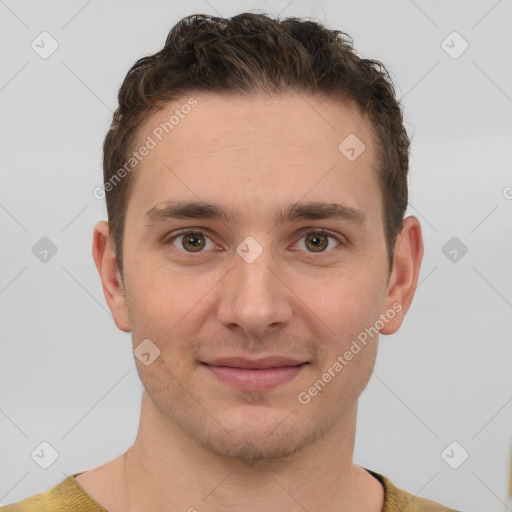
point(304, 232)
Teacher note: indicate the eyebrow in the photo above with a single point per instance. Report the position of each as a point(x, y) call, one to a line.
point(292, 213)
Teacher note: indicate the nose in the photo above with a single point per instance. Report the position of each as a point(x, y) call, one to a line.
point(254, 297)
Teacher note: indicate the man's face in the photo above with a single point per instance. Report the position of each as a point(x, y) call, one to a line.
point(256, 286)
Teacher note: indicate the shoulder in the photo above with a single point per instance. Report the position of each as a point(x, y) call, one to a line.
point(397, 499)
point(66, 496)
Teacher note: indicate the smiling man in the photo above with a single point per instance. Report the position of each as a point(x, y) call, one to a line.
point(256, 247)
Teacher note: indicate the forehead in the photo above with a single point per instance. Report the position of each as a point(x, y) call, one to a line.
point(252, 150)
point(231, 120)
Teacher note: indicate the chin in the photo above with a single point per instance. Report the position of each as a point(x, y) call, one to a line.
point(259, 441)
point(250, 451)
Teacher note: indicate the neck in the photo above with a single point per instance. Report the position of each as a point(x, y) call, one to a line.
point(178, 474)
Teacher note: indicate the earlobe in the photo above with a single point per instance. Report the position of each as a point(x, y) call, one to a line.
point(112, 283)
point(404, 276)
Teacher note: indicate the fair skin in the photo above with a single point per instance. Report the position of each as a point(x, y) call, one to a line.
point(204, 442)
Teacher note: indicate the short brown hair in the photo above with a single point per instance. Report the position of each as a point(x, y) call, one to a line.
point(253, 53)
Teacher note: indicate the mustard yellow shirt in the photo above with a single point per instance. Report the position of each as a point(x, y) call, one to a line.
point(68, 496)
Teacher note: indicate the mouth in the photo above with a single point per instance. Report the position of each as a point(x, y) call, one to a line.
point(255, 375)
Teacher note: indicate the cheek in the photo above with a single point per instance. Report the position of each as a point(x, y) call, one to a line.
point(350, 352)
point(346, 301)
point(349, 309)
point(167, 307)
point(159, 293)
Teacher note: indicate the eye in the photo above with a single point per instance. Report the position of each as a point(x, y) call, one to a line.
point(319, 240)
point(314, 240)
point(189, 241)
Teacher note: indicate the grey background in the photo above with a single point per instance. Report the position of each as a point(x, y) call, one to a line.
point(67, 375)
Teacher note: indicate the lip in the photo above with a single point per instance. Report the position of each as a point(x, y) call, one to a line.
point(254, 364)
point(255, 375)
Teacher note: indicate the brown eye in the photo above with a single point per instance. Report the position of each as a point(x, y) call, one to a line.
point(317, 242)
point(193, 242)
point(190, 241)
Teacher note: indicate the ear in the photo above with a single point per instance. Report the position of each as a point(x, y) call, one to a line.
point(113, 288)
point(404, 276)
